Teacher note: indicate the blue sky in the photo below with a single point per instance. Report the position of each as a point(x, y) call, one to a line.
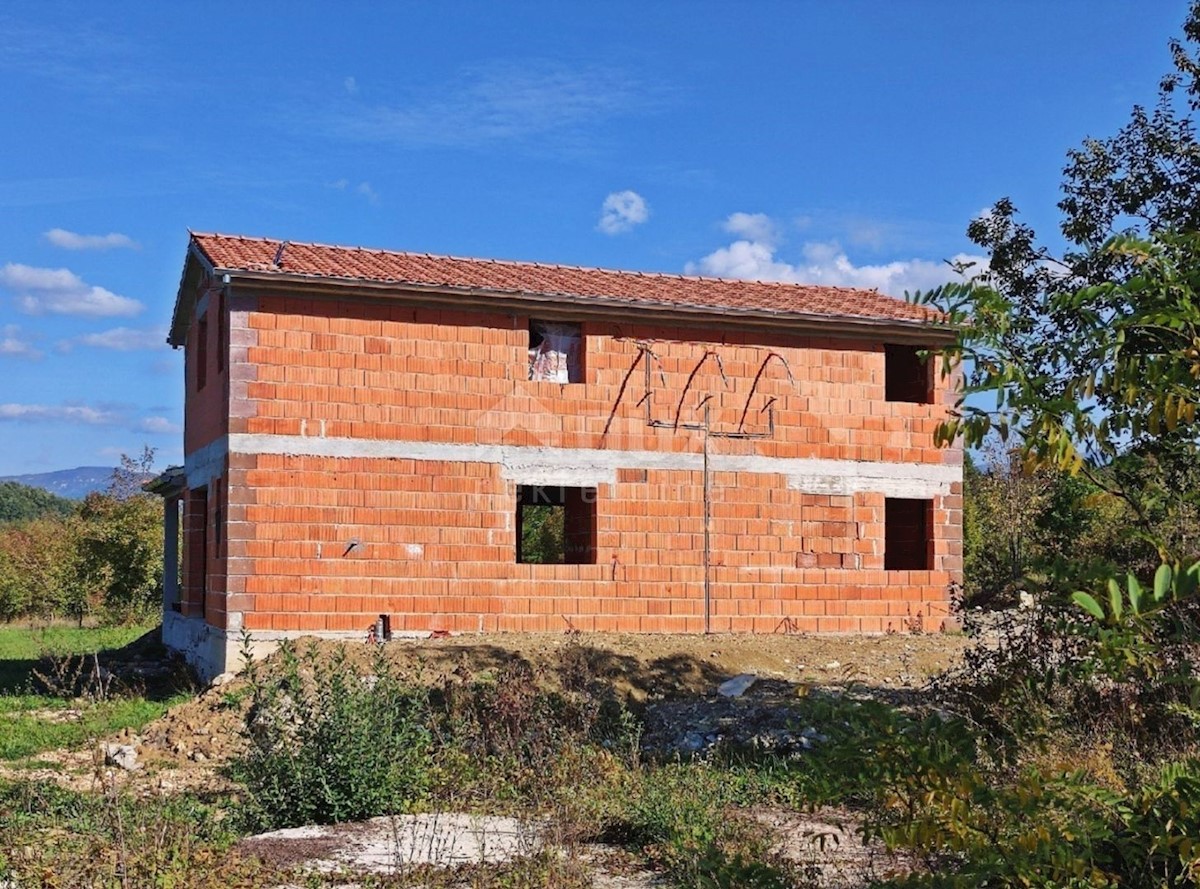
point(846, 143)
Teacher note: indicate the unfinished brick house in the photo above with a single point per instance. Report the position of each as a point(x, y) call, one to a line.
point(468, 445)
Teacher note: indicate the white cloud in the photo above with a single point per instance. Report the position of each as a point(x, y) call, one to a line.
point(351, 85)
point(120, 339)
point(12, 345)
point(824, 263)
point(621, 211)
point(756, 227)
point(68, 240)
point(158, 426)
point(62, 292)
point(88, 416)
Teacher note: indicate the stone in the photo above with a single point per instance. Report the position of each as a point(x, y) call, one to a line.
point(123, 756)
point(737, 686)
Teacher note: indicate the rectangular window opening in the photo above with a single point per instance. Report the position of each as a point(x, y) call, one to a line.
point(907, 375)
point(556, 525)
point(218, 530)
point(201, 353)
point(908, 535)
point(222, 335)
point(555, 351)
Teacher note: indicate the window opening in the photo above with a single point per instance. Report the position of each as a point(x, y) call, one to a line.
point(906, 374)
point(556, 525)
point(908, 534)
point(201, 354)
point(555, 351)
point(222, 335)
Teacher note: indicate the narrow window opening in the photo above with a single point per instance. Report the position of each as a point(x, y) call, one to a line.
point(218, 529)
point(908, 535)
point(556, 525)
point(222, 335)
point(555, 351)
point(907, 375)
point(201, 353)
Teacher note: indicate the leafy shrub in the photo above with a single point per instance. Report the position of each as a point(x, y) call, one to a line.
point(327, 744)
point(1048, 830)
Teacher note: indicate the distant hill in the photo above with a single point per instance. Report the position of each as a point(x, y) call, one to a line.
point(74, 484)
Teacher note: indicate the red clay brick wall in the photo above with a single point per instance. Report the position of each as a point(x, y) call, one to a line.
point(436, 549)
point(206, 409)
point(436, 539)
point(379, 371)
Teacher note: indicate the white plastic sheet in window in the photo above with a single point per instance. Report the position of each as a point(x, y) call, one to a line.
point(558, 357)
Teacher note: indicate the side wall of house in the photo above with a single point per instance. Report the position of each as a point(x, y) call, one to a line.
point(203, 576)
point(373, 455)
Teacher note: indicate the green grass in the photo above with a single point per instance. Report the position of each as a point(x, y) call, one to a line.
point(26, 643)
point(21, 648)
point(27, 733)
point(30, 723)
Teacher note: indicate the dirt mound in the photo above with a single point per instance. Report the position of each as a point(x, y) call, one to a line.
point(638, 668)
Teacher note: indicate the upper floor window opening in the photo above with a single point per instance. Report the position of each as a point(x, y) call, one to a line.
point(555, 351)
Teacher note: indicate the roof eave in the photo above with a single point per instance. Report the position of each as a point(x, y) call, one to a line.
point(196, 265)
point(925, 331)
point(168, 483)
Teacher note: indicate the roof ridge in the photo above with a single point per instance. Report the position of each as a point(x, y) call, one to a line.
point(524, 263)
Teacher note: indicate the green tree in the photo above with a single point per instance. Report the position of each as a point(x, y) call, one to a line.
point(121, 543)
point(543, 534)
point(1088, 361)
point(38, 570)
point(19, 503)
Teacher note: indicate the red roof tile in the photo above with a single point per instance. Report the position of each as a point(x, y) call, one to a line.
point(231, 253)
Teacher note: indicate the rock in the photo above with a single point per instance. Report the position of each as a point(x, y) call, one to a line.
point(221, 679)
point(952, 624)
point(737, 686)
point(197, 756)
point(833, 665)
point(1025, 600)
point(122, 756)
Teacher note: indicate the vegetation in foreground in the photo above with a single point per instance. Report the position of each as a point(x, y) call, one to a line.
point(99, 559)
point(56, 692)
point(1066, 755)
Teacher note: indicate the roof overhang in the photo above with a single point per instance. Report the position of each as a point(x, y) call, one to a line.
point(171, 482)
point(197, 270)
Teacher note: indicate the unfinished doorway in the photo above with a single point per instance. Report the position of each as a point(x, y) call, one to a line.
point(195, 532)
